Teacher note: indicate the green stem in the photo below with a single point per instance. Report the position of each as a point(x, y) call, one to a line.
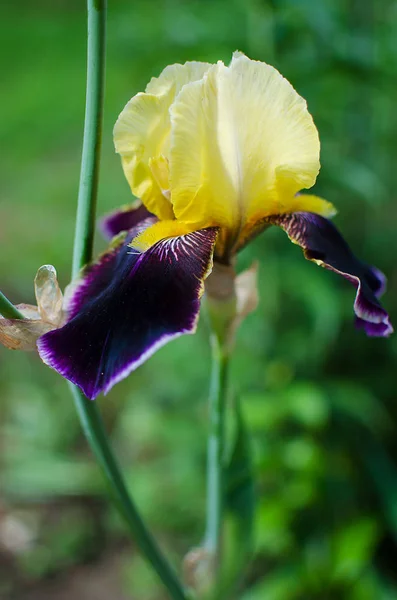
point(216, 449)
point(96, 435)
point(90, 418)
point(8, 310)
point(89, 174)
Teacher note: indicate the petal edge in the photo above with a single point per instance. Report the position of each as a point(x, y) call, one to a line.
point(143, 300)
point(322, 243)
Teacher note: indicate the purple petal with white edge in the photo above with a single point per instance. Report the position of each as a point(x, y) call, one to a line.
point(124, 219)
point(128, 305)
point(95, 277)
point(322, 243)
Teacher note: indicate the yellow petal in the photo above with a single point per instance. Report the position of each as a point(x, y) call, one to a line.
point(159, 170)
point(160, 231)
point(299, 203)
point(174, 77)
point(202, 193)
point(311, 203)
point(141, 136)
point(242, 145)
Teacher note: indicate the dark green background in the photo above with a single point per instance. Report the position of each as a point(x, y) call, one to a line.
point(319, 397)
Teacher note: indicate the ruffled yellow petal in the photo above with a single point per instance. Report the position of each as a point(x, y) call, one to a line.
point(141, 136)
point(174, 77)
point(242, 145)
point(202, 191)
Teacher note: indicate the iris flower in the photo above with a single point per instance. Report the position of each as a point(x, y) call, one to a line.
point(216, 154)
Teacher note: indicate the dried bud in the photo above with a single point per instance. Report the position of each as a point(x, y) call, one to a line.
point(48, 295)
point(199, 570)
point(22, 334)
point(221, 300)
point(230, 298)
point(247, 294)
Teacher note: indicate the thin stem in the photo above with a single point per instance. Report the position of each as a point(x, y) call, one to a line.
point(97, 438)
point(8, 310)
point(89, 174)
point(216, 448)
point(90, 418)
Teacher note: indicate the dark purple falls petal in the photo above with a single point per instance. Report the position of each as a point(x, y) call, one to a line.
point(322, 243)
point(124, 219)
point(128, 305)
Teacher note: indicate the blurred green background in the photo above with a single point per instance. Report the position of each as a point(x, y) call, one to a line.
point(319, 397)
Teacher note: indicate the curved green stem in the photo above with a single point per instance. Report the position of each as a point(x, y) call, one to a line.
point(8, 310)
point(90, 418)
point(96, 435)
point(216, 449)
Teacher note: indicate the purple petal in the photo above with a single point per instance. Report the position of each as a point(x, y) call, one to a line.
point(374, 329)
point(129, 305)
point(322, 243)
point(378, 281)
point(124, 219)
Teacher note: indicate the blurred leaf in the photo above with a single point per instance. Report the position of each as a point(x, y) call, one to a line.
point(140, 579)
point(353, 547)
point(263, 411)
point(307, 404)
point(358, 403)
point(281, 584)
point(363, 181)
point(51, 476)
point(273, 526)
point(303, 454)
point(64, 541)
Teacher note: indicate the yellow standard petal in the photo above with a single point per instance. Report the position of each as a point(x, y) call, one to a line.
point(242, 145)
point(141, 136)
